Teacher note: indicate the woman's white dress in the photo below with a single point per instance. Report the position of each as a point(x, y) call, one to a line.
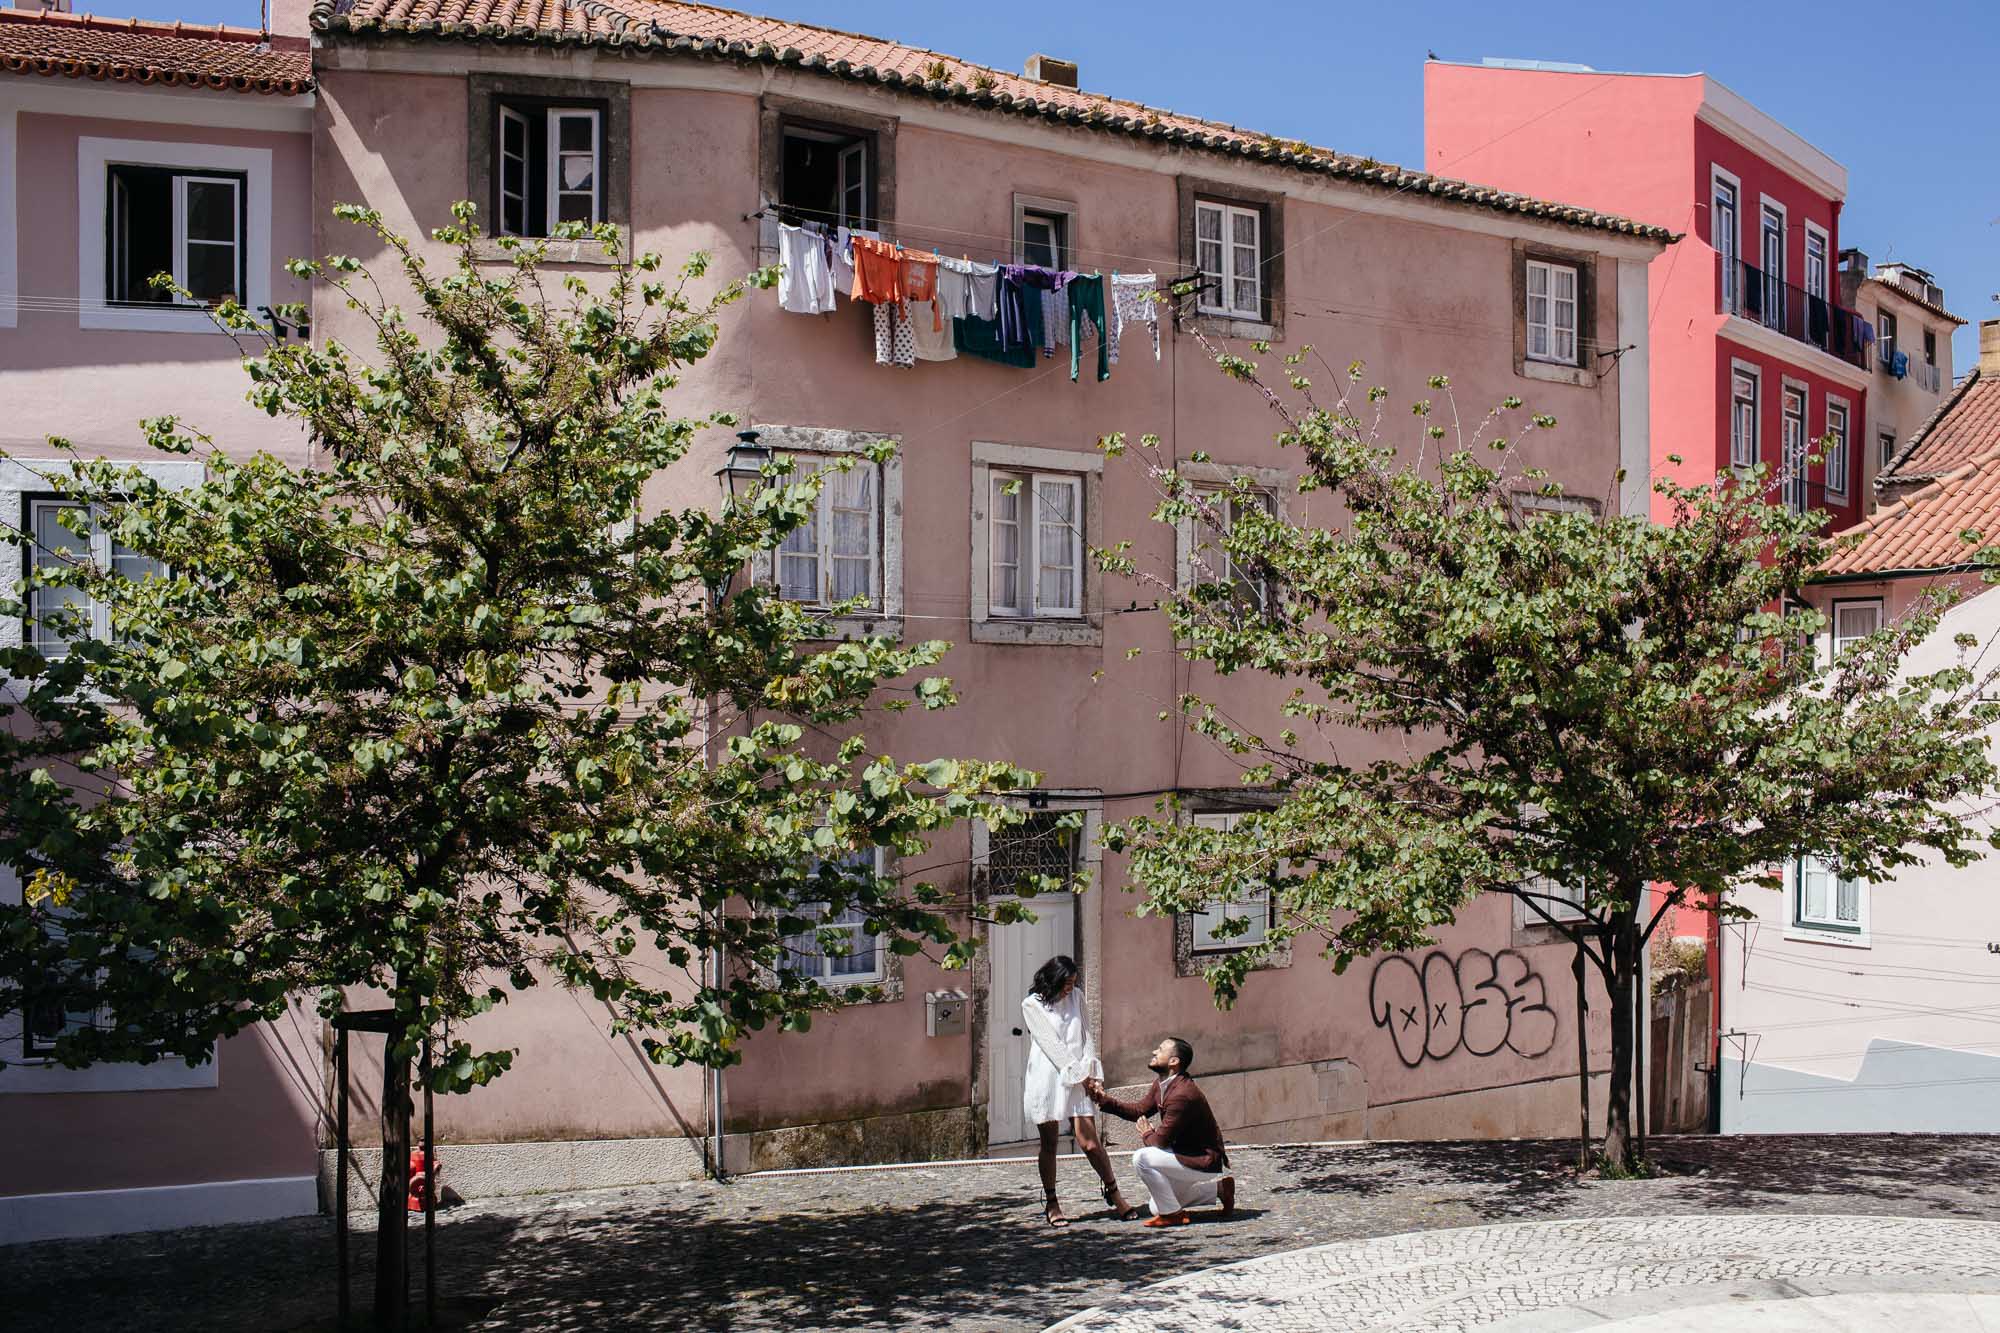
point(1061, 1056)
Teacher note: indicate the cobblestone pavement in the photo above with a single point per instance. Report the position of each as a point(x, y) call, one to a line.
point(944, 1247)
point(1476, 1277)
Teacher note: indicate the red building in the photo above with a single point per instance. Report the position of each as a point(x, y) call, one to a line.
point(1752, 357)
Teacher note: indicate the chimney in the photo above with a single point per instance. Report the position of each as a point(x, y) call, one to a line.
point(1989, 348)
point(1048, 69)
point(1854, 259)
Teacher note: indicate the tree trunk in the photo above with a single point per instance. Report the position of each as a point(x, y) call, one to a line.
point(1620, 1142)
point(392, 1194)
point(1582, 1063)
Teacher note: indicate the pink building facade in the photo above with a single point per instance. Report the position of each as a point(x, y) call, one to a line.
point(124, 150)
point(680, 125)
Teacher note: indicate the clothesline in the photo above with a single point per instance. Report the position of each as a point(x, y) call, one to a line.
point(931, 307)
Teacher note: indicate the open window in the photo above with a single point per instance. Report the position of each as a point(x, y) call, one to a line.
point(548, 164)
point(1553, 298)
point(827, 176)
point(189, 223)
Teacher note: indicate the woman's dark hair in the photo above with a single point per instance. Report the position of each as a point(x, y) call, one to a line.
point(1052, 976)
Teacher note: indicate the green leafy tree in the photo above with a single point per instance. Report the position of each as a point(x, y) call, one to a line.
point(453, 714)
point(1562, 706)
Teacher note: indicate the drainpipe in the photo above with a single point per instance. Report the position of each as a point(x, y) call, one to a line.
point(715, 1072)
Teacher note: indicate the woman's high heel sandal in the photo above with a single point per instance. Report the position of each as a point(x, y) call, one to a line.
point(1125, 1214)
point(1053, 1211)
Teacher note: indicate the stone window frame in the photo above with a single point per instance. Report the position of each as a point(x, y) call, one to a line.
point(1049, 206)
point(1585, 263)
point(1083, 630)
point(22, 479)
point(1188, 961)
point(1272, 481)
point(1271, 253)
point(831, 442)
point(775, 112)
point(95, 156)
point(887, 988)
point(613, 98)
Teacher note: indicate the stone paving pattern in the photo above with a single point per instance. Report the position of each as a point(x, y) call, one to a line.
point(955, 1247)
point(1466, 1278)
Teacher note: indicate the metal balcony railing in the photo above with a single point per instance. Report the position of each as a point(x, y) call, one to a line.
point(1755, 295)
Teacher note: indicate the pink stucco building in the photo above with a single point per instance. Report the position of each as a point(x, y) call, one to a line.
point(126, 149)
point(1867, 1007)
point(682, 124)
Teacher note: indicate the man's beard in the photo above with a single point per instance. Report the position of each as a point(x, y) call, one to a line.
point(1161, 1070)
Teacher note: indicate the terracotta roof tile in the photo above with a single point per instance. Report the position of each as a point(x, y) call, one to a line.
point(1940, 525)
point(82, 46)
point(1922, 303)
point(704, 30)
point(1965, 425)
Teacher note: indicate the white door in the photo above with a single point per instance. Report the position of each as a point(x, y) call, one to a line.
point(1015, 953)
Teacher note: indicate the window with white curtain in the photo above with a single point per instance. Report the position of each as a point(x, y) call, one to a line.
point(1792, 462)
point(835, 556)
point(1035, 546)
point(1253, 907)
point(1853, 622)
point(1825, 899)
point(1207, 559)
point(1551, 312)
point(855, 957)
point(1229, 253)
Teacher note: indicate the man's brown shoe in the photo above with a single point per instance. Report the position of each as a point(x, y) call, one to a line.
point(1225, 1193)
point(1179, 1219)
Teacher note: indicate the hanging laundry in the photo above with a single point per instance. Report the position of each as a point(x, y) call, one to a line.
point(968, 290)
point(805, 278)
point(931, 333)
point(920, 275)
point(1085, 297)
point(878, 271)
point(895, 345)
point(985, 339)
point(1021, 311)
point(1132, 302)
point(843, 255)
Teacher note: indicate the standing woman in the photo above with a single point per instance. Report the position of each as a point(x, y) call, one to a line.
point(1061, 1056)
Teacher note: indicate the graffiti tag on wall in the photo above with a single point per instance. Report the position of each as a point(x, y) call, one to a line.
point(1480, 1002)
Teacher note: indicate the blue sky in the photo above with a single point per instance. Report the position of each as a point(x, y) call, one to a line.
point(1899, 93)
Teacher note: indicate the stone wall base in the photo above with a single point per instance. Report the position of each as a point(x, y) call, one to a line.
point(918, 1136)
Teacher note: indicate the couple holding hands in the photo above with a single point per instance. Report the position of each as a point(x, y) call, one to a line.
point(1182, 1162)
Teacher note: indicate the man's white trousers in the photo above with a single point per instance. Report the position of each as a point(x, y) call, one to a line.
point(1172, 1186)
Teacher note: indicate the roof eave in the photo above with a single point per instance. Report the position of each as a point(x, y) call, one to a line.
point(1273, 152)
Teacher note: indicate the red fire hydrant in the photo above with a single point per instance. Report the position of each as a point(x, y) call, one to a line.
point(423, 1180)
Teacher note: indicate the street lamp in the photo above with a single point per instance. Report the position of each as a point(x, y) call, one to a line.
point(743, 471)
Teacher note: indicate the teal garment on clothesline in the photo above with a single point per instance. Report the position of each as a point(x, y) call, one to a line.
point(1086, 300)
point(981, 337)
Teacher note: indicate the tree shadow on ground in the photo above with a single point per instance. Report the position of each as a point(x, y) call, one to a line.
point(1949, 1175)
point(1501, 1179)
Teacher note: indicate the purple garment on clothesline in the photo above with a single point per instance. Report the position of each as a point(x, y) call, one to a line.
point(1016, 281)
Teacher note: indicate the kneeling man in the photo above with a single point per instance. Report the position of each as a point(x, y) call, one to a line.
point(1183, 1161)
